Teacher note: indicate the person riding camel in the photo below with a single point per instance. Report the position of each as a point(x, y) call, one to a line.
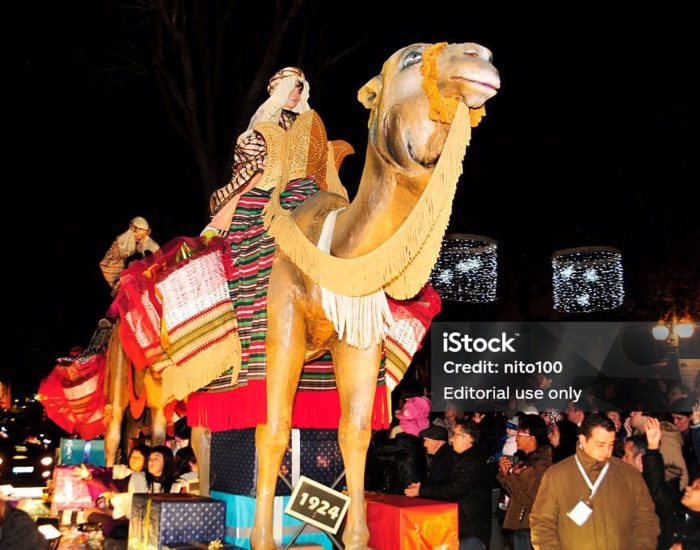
point(135, 242)
point(289, 97)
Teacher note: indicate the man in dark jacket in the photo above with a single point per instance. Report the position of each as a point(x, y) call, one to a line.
point(403, 461)
point(440, 454)
point(469, 486)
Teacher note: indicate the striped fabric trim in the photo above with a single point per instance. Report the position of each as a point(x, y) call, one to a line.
point(252, 252)
point(197, 334)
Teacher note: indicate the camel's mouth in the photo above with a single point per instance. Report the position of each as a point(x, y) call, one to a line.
point(490, 85)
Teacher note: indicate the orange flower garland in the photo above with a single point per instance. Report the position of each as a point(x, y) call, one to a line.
point(442, 109)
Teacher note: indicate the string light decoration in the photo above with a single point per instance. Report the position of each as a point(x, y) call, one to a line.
point(467, 269)
point(587, 279)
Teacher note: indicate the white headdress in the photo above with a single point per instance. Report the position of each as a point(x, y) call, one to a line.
point(279, 87)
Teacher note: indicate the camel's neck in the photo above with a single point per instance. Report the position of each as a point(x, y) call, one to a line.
point(385, 198)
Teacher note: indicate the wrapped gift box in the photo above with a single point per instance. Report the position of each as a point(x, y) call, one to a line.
point(312, 453)
point(404, 523)
point(168, 518)
point(70, 490)
point(240, 513)
point(80, 451)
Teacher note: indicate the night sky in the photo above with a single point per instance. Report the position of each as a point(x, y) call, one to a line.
point(594, 107)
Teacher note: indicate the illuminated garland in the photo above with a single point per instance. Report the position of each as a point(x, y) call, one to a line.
point(587, 279)
point(467, 269)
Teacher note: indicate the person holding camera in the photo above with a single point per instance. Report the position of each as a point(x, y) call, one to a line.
point(520, 476)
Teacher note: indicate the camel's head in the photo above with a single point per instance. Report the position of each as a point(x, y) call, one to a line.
point(401, 129)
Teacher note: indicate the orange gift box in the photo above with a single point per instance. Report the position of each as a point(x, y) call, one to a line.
point(404, 523)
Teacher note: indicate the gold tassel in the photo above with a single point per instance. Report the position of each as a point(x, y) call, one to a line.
point(403, 263)
point(181, 380)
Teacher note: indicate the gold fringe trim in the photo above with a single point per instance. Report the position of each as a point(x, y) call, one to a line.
point(403, 263)
point(360, 321)
point(180, 380)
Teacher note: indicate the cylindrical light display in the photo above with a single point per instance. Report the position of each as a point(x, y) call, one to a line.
point(466, 270)
point(587, 279)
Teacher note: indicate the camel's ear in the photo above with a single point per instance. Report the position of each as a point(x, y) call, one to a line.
point(369, 93)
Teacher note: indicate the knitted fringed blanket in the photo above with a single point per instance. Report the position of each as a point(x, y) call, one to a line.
point(412, 320)
point(73, 398)
point(177, 316)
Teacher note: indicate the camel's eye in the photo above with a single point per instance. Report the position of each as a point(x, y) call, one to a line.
point(412, 57)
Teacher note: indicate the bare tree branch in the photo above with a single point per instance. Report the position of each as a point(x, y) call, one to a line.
point(282, 23)
point(184, 44)
point(329, 62)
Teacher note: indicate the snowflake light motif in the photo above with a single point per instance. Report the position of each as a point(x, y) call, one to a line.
point(567, 272)
point(445, 276)
point(465, 266)
point(467, 269)
point(587, 279)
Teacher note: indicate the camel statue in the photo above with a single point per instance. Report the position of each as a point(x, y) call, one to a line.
point(117, 393)
point(411, 118)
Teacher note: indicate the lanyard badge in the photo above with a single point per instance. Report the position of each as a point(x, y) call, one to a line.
point(580, 513)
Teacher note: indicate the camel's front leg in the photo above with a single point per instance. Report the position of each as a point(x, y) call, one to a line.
point(356, 375)
point(201, 444)
point(118, 396)
point(113, 433)
point(285, 347)
point(158, 426)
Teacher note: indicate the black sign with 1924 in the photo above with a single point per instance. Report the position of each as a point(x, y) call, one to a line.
point(317, 505)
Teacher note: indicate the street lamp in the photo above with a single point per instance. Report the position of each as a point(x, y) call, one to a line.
point(671, 332)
